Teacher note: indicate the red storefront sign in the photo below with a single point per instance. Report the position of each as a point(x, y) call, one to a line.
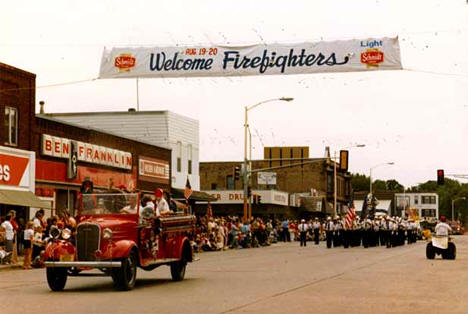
point(15, 168)
point(153, 170)
point(61, 148)
point(57, 172)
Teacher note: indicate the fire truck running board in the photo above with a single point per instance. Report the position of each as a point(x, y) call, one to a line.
point(163, 261)
point(100, 264)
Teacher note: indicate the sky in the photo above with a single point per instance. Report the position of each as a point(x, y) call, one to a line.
point(416, 118)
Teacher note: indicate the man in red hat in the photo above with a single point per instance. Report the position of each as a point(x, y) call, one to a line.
point(162, 207)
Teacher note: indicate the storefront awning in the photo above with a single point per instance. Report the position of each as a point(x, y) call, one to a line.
point(22, 198)
point(196, 195)
point(384, 205)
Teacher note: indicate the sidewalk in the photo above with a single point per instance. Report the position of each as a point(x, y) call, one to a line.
point(17, 265)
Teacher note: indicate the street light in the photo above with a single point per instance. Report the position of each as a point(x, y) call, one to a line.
point(370, 172)
point(453, 203)
point(246, 126)
point(334, 177)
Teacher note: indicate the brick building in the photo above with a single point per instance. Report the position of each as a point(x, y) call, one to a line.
point(46, 160)
point(52, 169)
point(308, 182)
point(17, 161)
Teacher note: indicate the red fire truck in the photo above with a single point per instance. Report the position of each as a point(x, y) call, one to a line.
point(116, 235)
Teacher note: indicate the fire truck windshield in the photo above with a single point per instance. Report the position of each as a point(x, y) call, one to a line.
point(102, 204)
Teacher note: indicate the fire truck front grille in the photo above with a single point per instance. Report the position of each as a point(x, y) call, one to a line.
point(87, 241)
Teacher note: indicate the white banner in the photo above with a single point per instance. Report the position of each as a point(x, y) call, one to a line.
point(266, 178)
point(236, 196)
point(197, 61)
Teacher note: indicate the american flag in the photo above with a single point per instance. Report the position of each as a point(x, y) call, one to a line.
point(350, 215)
point(188, 190)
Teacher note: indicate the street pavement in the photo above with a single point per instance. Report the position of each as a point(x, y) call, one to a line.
point(282, 278)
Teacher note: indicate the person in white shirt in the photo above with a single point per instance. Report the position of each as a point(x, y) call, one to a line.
point(329, 230)
point(162, 207)
point(442, 229)
point(9, 234)
point(337, 229)
point(303, 228)
point(316, 228)
point(132, 207)
point(38, 218)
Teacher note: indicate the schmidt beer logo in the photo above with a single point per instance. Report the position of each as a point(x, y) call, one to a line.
point(125, 62)
point(372, 57)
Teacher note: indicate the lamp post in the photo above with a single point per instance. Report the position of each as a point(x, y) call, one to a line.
point(453, 204)
point(246, 126)
point(334, 177)
point(370, 172)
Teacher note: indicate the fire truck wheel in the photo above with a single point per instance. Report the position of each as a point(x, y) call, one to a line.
point(178, 268)
point(56, 278)
point(125, 276)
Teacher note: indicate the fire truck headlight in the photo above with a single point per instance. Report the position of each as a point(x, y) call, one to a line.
point(107, 234)
point(66, 234)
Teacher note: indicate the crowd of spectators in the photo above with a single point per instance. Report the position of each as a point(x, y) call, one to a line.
point(231, 232)
point(28, 238)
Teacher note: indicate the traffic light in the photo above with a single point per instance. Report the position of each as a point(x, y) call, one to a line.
point(249, 191)
point(236, 172)
point(440, 177)
point(259, 199)
point(344, 160)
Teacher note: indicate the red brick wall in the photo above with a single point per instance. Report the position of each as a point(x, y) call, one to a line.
point(17, 90)
point(296, 179)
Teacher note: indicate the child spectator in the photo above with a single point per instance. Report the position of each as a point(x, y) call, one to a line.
point(4, 255)
point(28, 239)
point(37, 243)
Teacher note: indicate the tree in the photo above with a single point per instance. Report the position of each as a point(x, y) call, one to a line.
point(451, 190)
point(394, 185)
point(360, 182)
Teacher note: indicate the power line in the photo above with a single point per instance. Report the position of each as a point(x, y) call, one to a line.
point(435, 73)
point(46, 86)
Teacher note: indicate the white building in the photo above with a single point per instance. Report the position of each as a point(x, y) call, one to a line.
point(426, 204)
point(161, 128)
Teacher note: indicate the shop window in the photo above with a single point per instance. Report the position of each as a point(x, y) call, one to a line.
point(425, 199)
point(11, 126)
point(189, 158)
point(179, 156)
point(330, 183)
point(270, 156)
point(230, 183)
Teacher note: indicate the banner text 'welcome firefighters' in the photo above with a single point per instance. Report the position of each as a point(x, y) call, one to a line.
point(333, 56)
